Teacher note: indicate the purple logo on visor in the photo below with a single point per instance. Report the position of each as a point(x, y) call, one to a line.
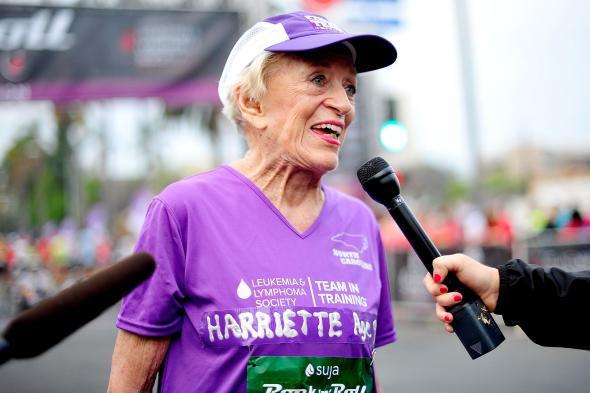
point(320, 23)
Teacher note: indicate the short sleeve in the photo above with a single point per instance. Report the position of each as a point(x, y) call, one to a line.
point(155, 307)
point(386, 333)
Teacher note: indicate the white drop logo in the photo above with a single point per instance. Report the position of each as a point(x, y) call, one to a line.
point(309, 370)
point(244, 291)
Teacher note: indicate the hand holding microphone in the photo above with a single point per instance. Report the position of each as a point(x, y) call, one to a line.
point(483, 280)
point(472, 321)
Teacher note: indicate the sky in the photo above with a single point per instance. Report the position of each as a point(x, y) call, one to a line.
point(531, 66)
point(541, 87)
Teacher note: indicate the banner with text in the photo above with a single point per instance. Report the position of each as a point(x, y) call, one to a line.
point(72, 54)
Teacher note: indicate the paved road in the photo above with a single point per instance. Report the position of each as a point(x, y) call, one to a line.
point(424, 359)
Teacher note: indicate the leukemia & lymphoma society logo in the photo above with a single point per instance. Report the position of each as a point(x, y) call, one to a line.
point(274, 291)
point(349, 248)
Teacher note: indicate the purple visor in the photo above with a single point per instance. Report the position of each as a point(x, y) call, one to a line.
point(309, 31)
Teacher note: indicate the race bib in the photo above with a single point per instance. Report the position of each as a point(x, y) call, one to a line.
point(291, 374)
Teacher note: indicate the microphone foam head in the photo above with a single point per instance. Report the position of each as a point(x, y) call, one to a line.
point(371, 168)
point(379, 181)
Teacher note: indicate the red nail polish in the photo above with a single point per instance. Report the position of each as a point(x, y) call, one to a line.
point(444, 289)
point(447, 318)
point(437, 278)
point(458, 298)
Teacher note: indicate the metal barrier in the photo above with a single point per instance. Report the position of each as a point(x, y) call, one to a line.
point(568, 249)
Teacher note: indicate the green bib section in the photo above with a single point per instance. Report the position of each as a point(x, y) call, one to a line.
point(290, 374)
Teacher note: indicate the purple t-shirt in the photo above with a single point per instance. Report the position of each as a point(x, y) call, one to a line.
point(234, 279)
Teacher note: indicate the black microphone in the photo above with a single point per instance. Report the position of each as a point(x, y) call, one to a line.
point(39, 328)
point(472, 321)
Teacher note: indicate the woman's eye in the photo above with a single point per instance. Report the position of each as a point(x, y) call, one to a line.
point(351, 90)
point(319, 80)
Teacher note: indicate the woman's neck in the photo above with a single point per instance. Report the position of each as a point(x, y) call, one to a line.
point(294, 191)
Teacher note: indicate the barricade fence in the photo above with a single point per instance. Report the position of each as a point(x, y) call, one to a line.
point(566, 249)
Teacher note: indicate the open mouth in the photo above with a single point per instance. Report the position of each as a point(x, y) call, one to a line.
point(330, 131)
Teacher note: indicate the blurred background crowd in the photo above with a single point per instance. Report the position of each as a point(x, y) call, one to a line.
point(42, 257)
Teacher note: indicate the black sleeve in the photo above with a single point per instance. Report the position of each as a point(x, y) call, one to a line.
point(550, 305)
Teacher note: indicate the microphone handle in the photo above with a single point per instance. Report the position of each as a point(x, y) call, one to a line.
point(423, 246)
point(39, 328)
point(472, 321)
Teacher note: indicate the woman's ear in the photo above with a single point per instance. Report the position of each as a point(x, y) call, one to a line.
point(251, 110)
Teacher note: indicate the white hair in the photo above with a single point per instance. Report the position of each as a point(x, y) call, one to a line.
point(251, 83)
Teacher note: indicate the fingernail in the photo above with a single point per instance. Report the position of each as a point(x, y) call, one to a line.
point(444, 289)
point(437, 278)
point(458, 298)
point(448, 318)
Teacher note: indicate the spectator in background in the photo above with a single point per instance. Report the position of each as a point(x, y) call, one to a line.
point(474, 225)
point(497, 241)
point(44, 250)
point(450, 237)
point(6, 254)
point(552, 220)
point(538, 220)
point(576, 220)
point(577, 228)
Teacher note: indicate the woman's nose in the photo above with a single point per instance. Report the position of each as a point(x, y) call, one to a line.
point(340, 101)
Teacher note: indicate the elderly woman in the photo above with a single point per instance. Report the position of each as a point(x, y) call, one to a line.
point(267, 280)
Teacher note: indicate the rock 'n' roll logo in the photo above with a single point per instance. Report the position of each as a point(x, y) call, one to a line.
point(22, 39)
point(44, 30)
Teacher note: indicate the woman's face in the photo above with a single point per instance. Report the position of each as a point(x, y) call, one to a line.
point(307, 109)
